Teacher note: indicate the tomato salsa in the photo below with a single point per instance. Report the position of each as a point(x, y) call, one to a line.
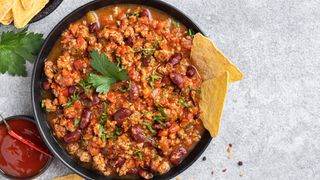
point(136, 116)
point(17, 159)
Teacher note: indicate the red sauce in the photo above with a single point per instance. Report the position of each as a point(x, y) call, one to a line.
point(16, 158)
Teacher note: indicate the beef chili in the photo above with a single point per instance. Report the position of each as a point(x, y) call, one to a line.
point(143, 125)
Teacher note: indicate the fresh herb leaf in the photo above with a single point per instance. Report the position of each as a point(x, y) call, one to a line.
point(139, 153)
point(85, 86)
point(146, 112)
point(149, 127)
point(110, 74)
point(103, 65)
point(184, 103)
point(121, 89)
point(76, 122)
point(103, 138)
point(16, 48)
point(73, 99)
point(191, 32)
point(147, 52)
point(101, 83)
point(175, 22)
point(101, 129)
point(158, 119)
point(117, 131)
point(188, 127)
point(161, 110)
point(119, 63)
point(153, 77)
point(186, 90)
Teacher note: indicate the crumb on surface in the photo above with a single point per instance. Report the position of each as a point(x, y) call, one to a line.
point(240, 163)
point(224, 170)
point(241, 174)
point(204, 158)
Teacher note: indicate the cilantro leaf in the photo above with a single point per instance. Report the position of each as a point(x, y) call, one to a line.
point(101, 83)
point(16, 48)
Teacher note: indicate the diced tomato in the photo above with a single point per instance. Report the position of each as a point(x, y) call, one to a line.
point(80, 41)
point(65, 92)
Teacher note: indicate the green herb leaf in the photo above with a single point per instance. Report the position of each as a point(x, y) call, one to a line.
point(149, 127)
point(16, 48)
point(153, 77)
point(146, 112)
point(101, 83)
point(85, 86)
point(103, 65)
point(101, 129)
point(184, 103)
point(161, 110)
point(76, 122)
point(186, 90)
point(110, 73)
point(175, 22)
point(191, 32)
point(158, 119)
point(188, 127)
point(103, 138)
point(139, 153)
point(73, 99)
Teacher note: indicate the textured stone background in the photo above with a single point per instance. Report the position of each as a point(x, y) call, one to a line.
point(271, 117)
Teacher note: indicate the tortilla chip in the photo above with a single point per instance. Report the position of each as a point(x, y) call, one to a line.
point(210, 61)
point(5, 6)
point(22, 16)
point(26, 4)
point(69, 177)
point(213, 93)
point(7, 19)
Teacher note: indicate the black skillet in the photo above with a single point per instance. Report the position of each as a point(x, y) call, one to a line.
point(40, 114)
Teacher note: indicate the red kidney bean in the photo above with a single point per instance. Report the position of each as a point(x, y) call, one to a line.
point(120, 115)
point(72, 89)
point(145, 12)
point(177, 79)
point(145, 174)
point(145, 61)
point(95, 99)
point(168, 124)
point(137, 134)
point(94, 27)
point(157, 127)
point(190, 71)
point(175, 58)
point(133, 171)
point(196, 116)
point(120, 162)
point(177, 155)
point(45, 85)
point(166, 80)
point(77, 64)
point(134, 91)
point(72, 137)
point(128, 41)
point(85, 118)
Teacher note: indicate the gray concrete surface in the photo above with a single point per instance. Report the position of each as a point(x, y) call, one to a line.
point(271, 117)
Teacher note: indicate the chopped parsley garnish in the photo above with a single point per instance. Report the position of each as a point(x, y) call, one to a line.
point(188, 127)
point(76, 122)
point(109, 72)
point(186, 90)
point(191, 32)
point(146, 112)
point(133, 14)
point(73, 99)
point(184, 103)
point(16, 48)
point(147, 52)
point(103, 138)
point(161, 110)
point(121, 89)
point(139, 153)
point(159, 119)
point(153, 77)
point(149, 127)
point(85, 86)
point(119, 63)
point(175, 22)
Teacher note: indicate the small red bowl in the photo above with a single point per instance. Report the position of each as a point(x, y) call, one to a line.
point(15, 156)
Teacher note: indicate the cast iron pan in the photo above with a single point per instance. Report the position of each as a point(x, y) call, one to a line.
point(40, 114)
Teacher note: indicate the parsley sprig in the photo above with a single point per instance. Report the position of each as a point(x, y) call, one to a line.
point(73, 99)
point(108, 75)
point(16, 48)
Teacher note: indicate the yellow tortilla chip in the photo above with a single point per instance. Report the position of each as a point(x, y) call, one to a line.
point(69, 177)
point(7, 19)
point(213, 93)
point(5, 6)
point(26, 4)
point(22, 16)
point(210, 61)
